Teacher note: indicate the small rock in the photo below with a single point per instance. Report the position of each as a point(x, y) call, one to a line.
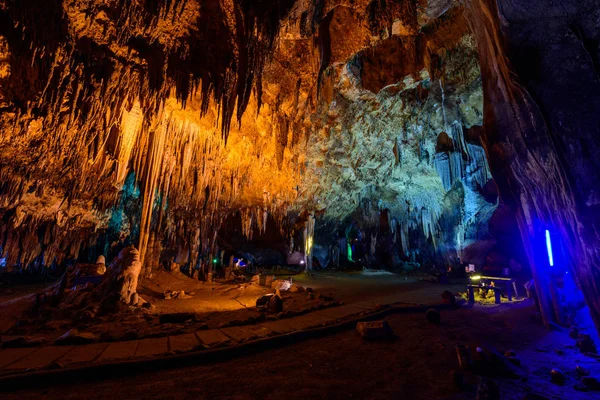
point(73, 336)
point(375, 330)
point(263, 301)
point(586, 344)
point(255, 279)
point(183, 295)
point(295, 288)
point(557, 377)
point(309, 290)
point(281, 284)
point(310, 296)
point(582, 371)
point(35, 342)
point(573, 332)
point(275, 304)
point(591, 382)
point(55, 365)
point(433, 316)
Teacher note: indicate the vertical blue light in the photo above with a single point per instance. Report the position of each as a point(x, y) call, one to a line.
point(549, 248)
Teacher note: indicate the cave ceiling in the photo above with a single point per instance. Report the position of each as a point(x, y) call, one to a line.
point(158, 119)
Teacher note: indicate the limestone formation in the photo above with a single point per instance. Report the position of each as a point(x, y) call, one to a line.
point(359, 132)
point(101, 265)
point(122, 276)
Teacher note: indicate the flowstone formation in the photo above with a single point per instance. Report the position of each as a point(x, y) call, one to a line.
point(399, 163)
point(343, 126)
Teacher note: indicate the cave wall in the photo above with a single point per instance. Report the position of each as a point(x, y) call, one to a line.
point(539, 63)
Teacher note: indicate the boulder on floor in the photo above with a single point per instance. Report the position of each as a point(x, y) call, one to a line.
point(281, 284)
point(275, 304)
point(123, 275)
point(295, 288)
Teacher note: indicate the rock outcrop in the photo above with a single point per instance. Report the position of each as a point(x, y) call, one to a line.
point(122, 277)
point(541, 80)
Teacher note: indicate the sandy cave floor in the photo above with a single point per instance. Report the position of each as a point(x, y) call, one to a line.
point(209, 306)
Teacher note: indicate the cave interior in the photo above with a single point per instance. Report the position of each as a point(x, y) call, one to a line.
point(226, 143)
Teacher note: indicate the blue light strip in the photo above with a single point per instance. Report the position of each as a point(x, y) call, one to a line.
point(549, 248)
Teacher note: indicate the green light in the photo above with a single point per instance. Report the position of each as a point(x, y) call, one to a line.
point(215, 260)
point(350, 252)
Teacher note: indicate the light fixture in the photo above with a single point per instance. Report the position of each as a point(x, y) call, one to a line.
point(476, 277)
point(549, 248)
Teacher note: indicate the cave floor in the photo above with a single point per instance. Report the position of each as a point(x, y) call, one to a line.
point(418, 365)
point(210, 306)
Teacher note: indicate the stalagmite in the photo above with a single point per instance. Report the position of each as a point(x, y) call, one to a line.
point(122, 276)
